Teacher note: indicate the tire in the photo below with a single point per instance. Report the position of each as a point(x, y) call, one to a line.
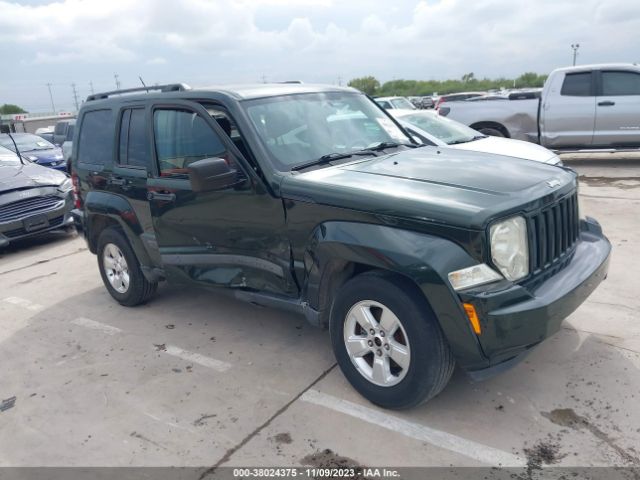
point(113, 244)
point(492, 132)
point(430, 363)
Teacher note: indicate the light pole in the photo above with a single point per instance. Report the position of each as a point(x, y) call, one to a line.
point(575, 47)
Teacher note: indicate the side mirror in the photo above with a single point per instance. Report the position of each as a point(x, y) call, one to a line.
point(211, 174)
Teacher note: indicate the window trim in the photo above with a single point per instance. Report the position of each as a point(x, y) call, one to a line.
point(592, 89)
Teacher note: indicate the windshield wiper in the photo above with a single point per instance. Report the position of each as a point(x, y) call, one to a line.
point(384, 145)
point(330, 157)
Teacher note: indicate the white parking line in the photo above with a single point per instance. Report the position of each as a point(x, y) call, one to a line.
point(103, 327)
point(468, 448)
point(24, 303)
point(209, 362)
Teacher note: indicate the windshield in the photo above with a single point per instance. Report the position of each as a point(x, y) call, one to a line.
point(297, 129)
point(8, 158)
point(403, 103)
point(449, 131)
point(26, 143)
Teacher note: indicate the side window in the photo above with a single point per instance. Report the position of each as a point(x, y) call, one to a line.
point(181, 138)
point(577, 85)
point(59, 130)
point(620, 83)
point(134, 144)
point(95, 145)
point(384, 104)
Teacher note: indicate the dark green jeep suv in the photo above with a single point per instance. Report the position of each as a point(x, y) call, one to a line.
point(314, 200)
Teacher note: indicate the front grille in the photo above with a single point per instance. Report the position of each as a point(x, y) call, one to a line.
point(19, 232)
point(27, 207)
point(553, 232)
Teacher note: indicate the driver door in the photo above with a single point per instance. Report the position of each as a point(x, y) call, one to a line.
point(233, 236)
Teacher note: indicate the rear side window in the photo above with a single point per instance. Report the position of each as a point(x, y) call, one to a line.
point(181, 138)
point(134, 143)
point(95, 144)
point(620, 83)
point(577, 85)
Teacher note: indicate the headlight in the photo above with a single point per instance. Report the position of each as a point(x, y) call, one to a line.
point(509, 247)
point(473, 276)
point(66, 185)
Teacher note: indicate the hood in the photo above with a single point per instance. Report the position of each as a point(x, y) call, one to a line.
point(443, 185)
point(511, 148)
point(28, 176)
point(44, 156)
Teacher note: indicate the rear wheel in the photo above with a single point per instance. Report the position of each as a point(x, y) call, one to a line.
point(120, 269)
point(387, 342)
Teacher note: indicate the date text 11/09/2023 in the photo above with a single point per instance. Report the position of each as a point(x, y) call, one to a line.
point(314, 473)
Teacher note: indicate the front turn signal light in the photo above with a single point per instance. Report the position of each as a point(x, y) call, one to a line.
point(470, 310)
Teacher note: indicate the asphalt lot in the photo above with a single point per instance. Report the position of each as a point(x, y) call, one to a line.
point(198, 379)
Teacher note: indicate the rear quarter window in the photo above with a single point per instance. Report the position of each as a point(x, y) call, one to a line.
point(95, 141)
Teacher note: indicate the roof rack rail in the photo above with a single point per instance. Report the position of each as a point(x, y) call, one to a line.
point(170, 87)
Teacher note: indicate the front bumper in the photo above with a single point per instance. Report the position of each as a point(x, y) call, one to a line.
point(515, 318)
point(38, 222)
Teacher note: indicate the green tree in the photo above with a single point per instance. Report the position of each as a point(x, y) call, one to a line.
point(9, 109)
point(368, 85)
point(467, 77)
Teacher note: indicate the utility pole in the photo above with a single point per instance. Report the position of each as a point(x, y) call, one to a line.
point(575, 47)
point(115, 75)
point(264, 79)
point(75, 96)
point(53, 107)
point(339, 81)
point(91, 87)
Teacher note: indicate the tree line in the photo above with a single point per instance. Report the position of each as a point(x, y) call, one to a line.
point(371, 86)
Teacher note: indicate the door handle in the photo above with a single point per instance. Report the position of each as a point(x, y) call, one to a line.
point(161, 196)
point(606, 103)
point(117, 181)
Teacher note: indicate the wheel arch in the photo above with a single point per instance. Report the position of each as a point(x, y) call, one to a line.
point(338, 251)
point(104, 210)
point(490, 124)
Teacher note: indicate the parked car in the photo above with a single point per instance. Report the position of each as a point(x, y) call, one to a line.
point(33, 199)
point(422, 102)
point(45, 133)
point(67, 145)
point(434, 129)
point(458, 97)
point(61, 132)
point(389, 103)
point(589, 106)
point(35, 149)
point(314, 200)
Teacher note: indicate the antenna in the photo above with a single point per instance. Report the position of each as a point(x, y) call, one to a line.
point(142, 82)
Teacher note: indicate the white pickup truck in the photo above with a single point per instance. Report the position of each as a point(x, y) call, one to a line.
point(584, 107)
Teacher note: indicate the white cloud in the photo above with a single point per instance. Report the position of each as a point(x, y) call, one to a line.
point(156, 61)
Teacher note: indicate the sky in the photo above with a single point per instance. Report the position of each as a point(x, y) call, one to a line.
point(206, 42)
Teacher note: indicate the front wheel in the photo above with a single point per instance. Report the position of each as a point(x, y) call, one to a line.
point(388, 342)
point(120, 269)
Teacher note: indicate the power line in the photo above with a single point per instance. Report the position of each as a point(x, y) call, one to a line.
point(53, 107)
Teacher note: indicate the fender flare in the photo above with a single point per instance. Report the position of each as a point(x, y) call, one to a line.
point(422, 258)
point(119, 211)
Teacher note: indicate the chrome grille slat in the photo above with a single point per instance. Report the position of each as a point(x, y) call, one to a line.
point(28, 206)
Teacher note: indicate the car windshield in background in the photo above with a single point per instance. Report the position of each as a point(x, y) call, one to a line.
point(442, 128)
point(297, 129)
point(403, 103)
point(26, 143)
point(8, 158)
